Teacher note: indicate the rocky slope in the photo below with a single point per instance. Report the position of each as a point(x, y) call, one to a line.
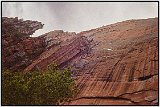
point(122, 67)
point(112, 65)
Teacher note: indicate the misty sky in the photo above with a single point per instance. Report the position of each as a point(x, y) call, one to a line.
point(78, 16)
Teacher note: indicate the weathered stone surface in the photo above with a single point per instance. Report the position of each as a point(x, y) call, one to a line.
point(113, 65)
point(18, 48)
point(61, 55)
point(56, 37)
point(125, 75)
point(19, 27)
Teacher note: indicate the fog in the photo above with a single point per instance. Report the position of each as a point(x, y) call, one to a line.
point(78, 16)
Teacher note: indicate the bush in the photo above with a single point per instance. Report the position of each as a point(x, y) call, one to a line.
point(49, 87)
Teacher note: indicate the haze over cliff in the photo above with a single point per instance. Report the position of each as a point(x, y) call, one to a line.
point(78, 16)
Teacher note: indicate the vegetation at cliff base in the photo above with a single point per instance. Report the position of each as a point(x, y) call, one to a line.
point(49, 87)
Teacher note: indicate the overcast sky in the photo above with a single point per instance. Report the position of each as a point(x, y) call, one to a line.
point(78, 16)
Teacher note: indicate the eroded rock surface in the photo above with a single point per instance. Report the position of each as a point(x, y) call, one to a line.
point(18, 48)
point(122, 67)
point(115, 64)
point(62, 55)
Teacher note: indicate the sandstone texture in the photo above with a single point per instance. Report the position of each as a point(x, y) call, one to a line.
point(122, 67)
point(115, 64)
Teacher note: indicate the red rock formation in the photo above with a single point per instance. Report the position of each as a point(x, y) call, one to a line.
point(18, 48)
point(61, 55)
point(112, 65)
point(122, 68)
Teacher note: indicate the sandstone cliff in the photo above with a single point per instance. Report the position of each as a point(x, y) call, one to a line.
point(122, 67)
point(115, 64)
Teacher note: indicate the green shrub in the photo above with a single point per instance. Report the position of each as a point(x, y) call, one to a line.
point(49, 87)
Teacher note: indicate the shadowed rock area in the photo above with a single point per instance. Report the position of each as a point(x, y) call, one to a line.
point(18, 48)
point(115, 64)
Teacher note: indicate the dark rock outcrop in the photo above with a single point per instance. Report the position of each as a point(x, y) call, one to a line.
point(18, 27)
point(18, 48)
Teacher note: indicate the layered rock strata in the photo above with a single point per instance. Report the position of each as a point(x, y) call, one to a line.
point(115, 64)
point(122, 68)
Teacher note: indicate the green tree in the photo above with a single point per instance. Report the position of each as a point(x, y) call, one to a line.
point(49, 87)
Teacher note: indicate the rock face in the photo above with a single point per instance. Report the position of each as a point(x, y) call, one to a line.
point(122, 67)
point(112, 65)
point(18, 48)
point(61, 55)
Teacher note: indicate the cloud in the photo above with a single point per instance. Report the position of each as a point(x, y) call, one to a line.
point(78, 16)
